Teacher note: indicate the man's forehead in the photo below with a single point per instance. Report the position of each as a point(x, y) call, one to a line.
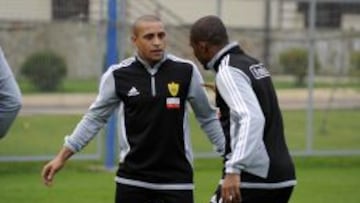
point(147, 27)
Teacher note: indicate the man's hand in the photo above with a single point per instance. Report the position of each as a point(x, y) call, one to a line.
point(230, 190)
point(50, 169)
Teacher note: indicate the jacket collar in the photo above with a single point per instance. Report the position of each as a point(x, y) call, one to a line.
point(151, 69)
point(232, 47)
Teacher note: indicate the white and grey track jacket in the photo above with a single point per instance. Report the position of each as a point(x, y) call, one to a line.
point(10, 96)
point(252, 121)
point(154, 139)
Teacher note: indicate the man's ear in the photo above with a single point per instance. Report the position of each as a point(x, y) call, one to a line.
point(204, 46)
point(133, 39)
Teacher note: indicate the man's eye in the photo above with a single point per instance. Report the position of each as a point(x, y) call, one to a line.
point(161, 35)
point(148, 37)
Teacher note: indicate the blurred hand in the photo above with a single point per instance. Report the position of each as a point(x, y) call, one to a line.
point(210, 86)
point(50, 169)
point(230, 190)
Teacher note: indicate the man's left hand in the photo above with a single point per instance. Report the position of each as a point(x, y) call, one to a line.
point(230, 190)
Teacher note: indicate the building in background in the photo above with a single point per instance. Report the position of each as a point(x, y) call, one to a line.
point(286, 14)
point(76, 29)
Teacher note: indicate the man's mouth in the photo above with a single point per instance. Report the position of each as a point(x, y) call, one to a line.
point(157, 51)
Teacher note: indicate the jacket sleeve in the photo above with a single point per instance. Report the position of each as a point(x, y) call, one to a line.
point(97, 115)
point(246, 117)
point(205, 113)
point(10, 96)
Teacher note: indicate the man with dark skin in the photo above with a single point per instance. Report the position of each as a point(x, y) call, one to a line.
point(150, 91)
point(257, 164)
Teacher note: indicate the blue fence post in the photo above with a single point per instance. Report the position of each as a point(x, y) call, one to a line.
point(111, 58)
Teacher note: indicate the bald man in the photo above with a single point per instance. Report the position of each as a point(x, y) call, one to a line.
point(150, 90)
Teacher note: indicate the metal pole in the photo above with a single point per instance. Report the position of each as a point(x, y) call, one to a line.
point(122, 30)
point(219, 8)
point(280, 14)
point(311, 68)
point(267, 33)
point(111, 58)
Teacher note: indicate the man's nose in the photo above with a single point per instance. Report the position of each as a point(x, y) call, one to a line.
point(157, 41)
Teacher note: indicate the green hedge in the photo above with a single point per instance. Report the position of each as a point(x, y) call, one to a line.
point(45, 70)
point(294, 61)
point(355, 64)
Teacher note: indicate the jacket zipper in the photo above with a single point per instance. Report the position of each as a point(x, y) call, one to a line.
point(153, 88)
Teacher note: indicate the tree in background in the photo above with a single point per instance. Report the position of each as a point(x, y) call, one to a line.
point(45, 70)
point(355, 64)
point(294, 61)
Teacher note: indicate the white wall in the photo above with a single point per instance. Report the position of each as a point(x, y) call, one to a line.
point(98, 9)
point(28, 10)
point(249, 14)
point(234, 12)
point(351, 22)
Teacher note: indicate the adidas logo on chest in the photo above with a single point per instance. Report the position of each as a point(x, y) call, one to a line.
point(133, 92)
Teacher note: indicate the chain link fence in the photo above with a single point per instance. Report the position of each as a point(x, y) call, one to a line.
point(76, 31)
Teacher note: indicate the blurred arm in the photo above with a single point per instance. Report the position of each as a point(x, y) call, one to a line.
point(10, 96)
point(205, 113)
point(89, 126)
point(96, 117)
point(51, 168)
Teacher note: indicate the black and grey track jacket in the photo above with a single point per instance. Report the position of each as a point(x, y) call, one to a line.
point(152, 122)
point(252, 121)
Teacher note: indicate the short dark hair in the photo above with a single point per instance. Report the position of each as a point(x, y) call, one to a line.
point(144, 18)
point(210, 29)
